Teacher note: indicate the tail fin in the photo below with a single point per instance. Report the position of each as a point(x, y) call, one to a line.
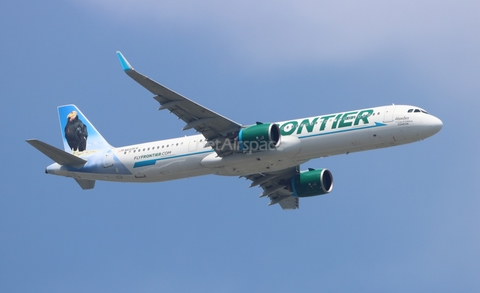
point(78, 134)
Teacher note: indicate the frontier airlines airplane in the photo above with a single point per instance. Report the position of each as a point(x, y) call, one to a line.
point(268, 154)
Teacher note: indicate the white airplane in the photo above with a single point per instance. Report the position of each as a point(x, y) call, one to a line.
point(268, 154)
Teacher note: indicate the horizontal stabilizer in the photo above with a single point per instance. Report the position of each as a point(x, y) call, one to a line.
point(85, 183)
point(57, 155)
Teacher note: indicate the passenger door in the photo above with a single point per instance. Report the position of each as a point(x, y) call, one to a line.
point(388, 115)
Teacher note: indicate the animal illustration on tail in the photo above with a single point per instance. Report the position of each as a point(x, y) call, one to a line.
point(76, 132)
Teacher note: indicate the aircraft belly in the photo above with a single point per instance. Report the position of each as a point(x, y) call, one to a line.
point(261, 166)
point(393, 135)
point(256, 162)
point(171, 169)
point(335, 143)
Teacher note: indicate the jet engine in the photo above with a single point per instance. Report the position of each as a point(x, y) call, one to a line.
point(259, 137)
point(312, 182)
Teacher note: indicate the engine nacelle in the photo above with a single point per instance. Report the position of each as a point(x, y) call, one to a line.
point(260, 137)
point(312, 182)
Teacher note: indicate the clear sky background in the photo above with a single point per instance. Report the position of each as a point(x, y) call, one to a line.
point(402, 219)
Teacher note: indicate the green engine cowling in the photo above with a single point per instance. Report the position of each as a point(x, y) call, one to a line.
point(312, 182)
point(259, 137)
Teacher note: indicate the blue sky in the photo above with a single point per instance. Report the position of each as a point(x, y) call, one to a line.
point(401, 219)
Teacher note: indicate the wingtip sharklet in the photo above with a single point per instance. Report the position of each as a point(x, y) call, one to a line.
point(123, 61)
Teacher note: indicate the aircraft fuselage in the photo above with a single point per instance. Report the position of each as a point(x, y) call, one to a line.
point(301, 140)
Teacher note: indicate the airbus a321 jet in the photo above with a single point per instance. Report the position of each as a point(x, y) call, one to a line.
point(268, 154)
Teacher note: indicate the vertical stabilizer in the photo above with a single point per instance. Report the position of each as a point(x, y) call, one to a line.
point(79, 136)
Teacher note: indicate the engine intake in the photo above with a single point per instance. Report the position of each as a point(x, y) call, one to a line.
point(260, 137)
point(312, 182)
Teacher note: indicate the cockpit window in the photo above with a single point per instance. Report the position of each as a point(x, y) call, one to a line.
point(417, 111)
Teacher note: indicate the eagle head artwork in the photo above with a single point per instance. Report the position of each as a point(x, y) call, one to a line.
point(76, 132)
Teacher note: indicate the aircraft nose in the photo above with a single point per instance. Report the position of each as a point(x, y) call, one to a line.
point(435, 124)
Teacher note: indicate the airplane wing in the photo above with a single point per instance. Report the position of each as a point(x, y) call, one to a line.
point(213, 126)
point(275, 186)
